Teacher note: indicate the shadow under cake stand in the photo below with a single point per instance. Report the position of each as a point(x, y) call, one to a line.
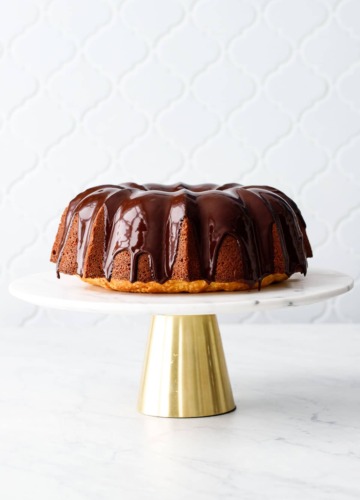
point(185, 373)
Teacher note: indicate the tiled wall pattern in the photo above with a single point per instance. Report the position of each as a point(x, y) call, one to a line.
point(253, 91)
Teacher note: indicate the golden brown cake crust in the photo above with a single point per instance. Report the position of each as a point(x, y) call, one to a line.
point(178, 286)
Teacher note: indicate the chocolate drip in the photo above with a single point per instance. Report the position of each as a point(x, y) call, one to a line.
point(147, 219)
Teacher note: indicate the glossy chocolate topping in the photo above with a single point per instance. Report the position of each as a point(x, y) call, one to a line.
point(147, 219)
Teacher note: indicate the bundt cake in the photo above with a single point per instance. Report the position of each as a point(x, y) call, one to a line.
point(155, 238)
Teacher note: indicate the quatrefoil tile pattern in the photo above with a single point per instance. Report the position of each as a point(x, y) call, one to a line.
point(253, 91)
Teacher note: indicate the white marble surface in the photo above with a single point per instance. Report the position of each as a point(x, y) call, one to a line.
point(69, 428)
point(72, 294)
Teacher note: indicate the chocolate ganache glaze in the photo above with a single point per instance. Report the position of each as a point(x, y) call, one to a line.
point(147, 219)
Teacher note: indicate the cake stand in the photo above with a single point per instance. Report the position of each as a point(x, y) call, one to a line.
point(185, 373)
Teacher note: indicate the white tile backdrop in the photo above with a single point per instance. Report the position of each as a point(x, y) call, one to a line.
point(252, 91)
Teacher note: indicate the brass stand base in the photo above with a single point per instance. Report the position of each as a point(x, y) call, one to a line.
point(185, 372)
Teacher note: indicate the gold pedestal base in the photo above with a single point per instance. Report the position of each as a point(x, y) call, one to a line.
point(185, 372)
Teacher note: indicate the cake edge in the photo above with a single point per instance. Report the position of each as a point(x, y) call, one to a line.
point(178, 286)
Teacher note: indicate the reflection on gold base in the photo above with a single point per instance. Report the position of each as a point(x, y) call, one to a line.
point(185, 372)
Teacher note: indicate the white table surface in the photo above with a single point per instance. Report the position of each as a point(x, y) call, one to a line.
point(69, 428)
